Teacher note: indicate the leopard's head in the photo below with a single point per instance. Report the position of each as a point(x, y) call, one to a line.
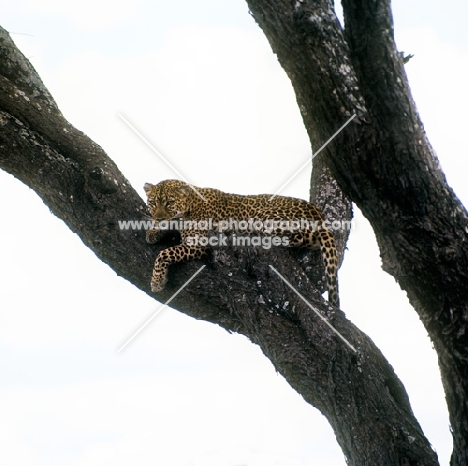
point(168, 199)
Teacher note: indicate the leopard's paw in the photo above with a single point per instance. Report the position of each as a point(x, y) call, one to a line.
point(153, 236)
point(158, 281)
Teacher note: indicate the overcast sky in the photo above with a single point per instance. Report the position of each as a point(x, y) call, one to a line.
point(199, 79)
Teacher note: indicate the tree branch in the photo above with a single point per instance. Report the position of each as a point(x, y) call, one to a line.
point(384, 163)
point(358, 392)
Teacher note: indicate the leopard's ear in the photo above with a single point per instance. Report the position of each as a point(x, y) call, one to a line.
point(148, 187)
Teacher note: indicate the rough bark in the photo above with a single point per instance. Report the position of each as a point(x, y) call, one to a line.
point(358, 392)
point(384, 163)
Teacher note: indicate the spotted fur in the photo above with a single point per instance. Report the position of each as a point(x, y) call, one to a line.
point(173, 199)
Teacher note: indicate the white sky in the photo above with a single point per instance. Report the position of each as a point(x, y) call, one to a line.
point(199, 79)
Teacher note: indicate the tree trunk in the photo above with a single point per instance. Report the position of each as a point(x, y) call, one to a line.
point(357, 391)
point(384, 163)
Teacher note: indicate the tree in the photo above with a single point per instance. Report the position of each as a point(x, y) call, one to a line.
point(335, 75)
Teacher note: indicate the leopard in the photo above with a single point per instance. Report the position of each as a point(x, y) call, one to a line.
point(172, 201)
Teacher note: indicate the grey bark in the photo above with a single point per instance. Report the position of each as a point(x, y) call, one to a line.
point(384, 163)
point(358, 392)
